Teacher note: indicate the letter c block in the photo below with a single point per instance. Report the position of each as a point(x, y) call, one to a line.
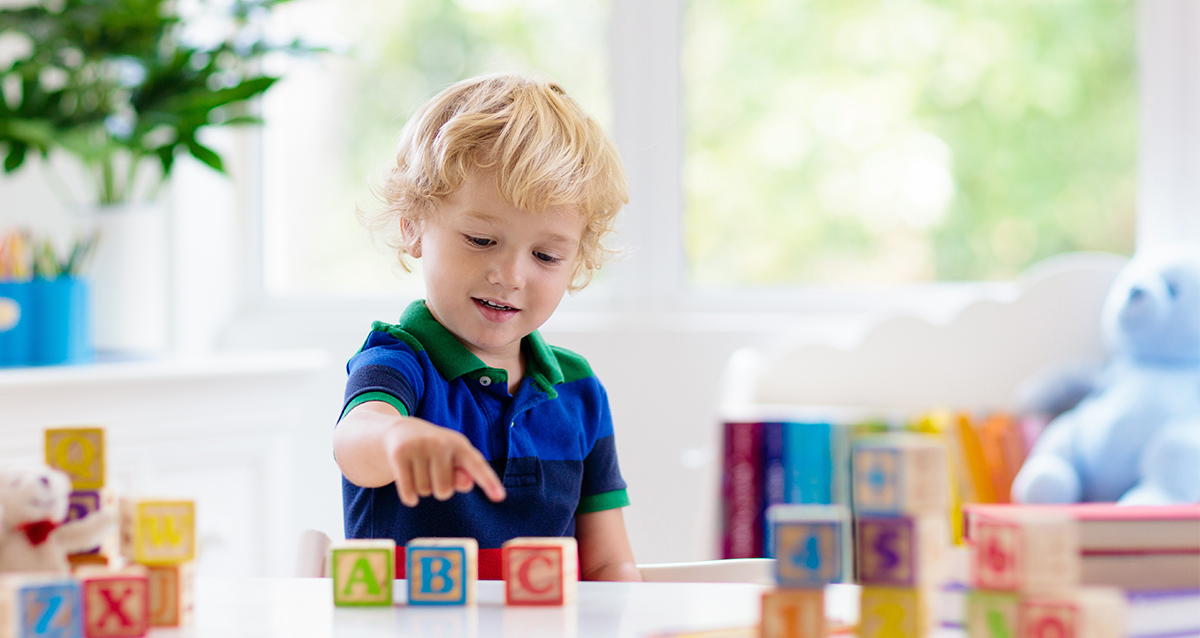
point(540, 571)
point(441, 571)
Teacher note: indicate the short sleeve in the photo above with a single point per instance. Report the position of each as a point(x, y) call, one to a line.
point(603, 487)
point(385, 369)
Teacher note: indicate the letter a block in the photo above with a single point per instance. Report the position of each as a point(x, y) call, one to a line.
point(363, 571)
point(442, 571)
point(899, 474)
point(80, 453)
point(158, 532)
point(1024, 549)
point(540, 571)
point(807, 543)
point(171, 598)
point(902, 551)
point(40, 606)
point(115, 603)
point(892, 612)
point(798, 613)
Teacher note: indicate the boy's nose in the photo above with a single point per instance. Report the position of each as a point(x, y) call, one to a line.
point(507, 272)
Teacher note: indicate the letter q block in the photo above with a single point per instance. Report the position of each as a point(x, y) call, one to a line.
point(807, 542)
point(158, 532)
point(1024, 549)
point(80, 453)
point(363, 571)
point(540, 571)
point(115, 604)
point(442, 571)
point(901, 473)
point(40, 606)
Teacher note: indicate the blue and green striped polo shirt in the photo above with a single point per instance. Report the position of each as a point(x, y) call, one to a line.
point(551, 443)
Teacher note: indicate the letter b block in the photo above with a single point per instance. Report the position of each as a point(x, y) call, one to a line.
point(441, 571)
point(116, 603)
point(80, 453)
point(807, 543)
point(540, 571)
point(157, 532)
point(363, 571)
point(40, 606)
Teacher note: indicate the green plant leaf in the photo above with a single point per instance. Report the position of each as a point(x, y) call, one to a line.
point(206, 155)
point(15, 157)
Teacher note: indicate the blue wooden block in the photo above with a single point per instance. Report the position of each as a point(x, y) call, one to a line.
point(808, 544)
point(43, 606)
point(441, 571)
point(900, 474)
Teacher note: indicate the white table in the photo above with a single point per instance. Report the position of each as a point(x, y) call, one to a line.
point(303, 608)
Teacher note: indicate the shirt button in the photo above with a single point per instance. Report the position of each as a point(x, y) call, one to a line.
point(485, 381)
point(513, 424)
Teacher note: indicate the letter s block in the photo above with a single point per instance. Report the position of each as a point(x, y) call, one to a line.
point(442, 571)
point(363, 571)
point(115, 604)
point(797, 613)
point(540, 571)
point(40, 606)
point(80, 453)
point(902, 551)
point(158, 532)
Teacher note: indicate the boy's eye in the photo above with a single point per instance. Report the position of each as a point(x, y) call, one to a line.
point(543, 257)
point(480, 241)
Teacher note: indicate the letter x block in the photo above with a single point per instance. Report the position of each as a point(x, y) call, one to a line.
point(797, 613)
point(893, 612)
point(1084, 612)
point(171, 594)
point(441, 571)
point(158, 532)
point(115, 603)
point(1024, 548)
point(540, 571)
point(902, 551)
point(896, 474)
point(80, 453)
point(363, 571)
point(40, 606)
point(807, 543)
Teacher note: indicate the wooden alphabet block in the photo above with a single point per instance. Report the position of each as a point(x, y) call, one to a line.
point(902, 551)
point(807, 544)
point(1024, 548)
point(171, 594)
point(992, 614)
point(363, 571)
point(1084, 612)
point(158, 532)
point(115, 603)
point(81, 503)
point(900, 473)
point(797, 613)
point(892, 612)
point(442, 571)
point(80, 453)
point(40, 606)
point(540, 571)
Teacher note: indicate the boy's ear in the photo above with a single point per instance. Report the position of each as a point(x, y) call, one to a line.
point(411, 230)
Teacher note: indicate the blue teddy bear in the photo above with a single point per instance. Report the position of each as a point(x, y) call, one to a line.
point(1136, 437)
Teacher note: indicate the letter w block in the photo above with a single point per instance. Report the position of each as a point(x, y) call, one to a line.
point(157, 532)
point(442, 571)
point(363, 571)
point(540, 571)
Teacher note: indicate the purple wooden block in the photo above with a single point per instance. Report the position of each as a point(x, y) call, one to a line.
point(887, 551)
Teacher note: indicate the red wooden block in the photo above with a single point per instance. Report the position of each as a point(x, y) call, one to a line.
point(540, 571)
point(115, 603)
point(1024, 549)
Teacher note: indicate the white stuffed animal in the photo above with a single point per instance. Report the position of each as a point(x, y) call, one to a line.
point(33, 506)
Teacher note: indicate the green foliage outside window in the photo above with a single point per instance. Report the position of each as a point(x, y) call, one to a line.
point(836, 141)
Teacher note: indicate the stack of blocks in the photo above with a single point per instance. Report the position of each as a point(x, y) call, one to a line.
point(101, 599)
point(806, 541)
point(1025, 571)
point(444, 571)
point(901, 500)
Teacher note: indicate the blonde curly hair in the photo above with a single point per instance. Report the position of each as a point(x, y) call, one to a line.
point(544, 149)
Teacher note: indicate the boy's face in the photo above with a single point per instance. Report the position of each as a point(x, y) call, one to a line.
point(493, 272)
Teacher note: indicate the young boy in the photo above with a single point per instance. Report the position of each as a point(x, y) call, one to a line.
point(504, 189)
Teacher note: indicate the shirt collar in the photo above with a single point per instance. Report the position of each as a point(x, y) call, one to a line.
point(453, 360)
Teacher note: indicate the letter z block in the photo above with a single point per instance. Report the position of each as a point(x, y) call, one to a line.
point(807, 543)
point(442, 571)
point(171, 594)
point(363, 571)
point(1085, 612)
point(115, 603)
point(897, 474)
point(540, 571)
point(158, 532)
point(892, 612)
point(1024, 549)
point(80, 453)
point(798, 613)
point(902, 551)
point(40, 606)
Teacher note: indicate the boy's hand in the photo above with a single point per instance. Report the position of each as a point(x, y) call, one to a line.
point(428, 460)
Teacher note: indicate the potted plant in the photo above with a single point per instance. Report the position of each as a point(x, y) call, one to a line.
point(126, 87)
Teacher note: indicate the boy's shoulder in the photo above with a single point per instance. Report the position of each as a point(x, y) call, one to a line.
point(573, 365)
point(383, 333)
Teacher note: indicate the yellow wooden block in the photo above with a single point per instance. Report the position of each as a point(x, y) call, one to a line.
point(540, 571)
point(892, 612)
point(793, 613)
point(363, 571)
point(80, 453)
point(158, 532)
point(442, 571)
point(171, 594)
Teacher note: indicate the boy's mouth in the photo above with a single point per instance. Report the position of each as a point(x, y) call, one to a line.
point(494, 311)
point(493, 305)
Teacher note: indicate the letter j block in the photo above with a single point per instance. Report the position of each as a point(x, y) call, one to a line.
point(158, 532)
point(540, 571)
point(442, 571)
point(363, 571)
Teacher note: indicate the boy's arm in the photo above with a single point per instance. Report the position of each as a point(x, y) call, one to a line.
point(375, 445)
point(604, 551)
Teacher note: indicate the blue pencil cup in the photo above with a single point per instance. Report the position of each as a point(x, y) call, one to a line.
point(62, 330)
point(16, 323)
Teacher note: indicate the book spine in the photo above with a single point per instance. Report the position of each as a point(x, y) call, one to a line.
point(741, 491)
point(774, 479)
point(808, 462)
